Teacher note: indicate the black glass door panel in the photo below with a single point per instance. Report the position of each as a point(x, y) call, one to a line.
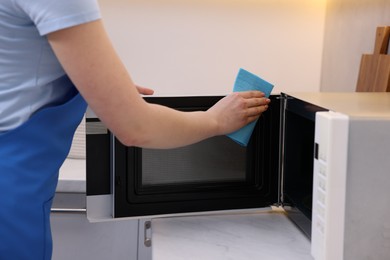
point(215, 174)
point(218, 159)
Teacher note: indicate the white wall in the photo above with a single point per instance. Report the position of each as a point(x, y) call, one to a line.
point(195, 47)
point(349, 32)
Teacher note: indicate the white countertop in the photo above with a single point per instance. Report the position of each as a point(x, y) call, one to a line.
point(266, 235)
point(72, 177)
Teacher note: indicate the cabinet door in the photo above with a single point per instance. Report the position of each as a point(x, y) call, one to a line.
point(74, 237)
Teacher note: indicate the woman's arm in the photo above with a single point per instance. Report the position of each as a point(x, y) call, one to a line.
point(91, 62)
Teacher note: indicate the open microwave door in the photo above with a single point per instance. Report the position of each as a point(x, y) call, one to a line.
point(213, 175)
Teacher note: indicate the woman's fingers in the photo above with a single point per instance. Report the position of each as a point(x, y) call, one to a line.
point(238, 109)
point(255, 112)
point(144, 90)
point(255, 102)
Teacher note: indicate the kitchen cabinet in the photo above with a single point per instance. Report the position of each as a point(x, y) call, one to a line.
point(74, 237)
point(237, 234)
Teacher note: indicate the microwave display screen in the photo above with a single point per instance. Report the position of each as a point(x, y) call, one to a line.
point(218, 159)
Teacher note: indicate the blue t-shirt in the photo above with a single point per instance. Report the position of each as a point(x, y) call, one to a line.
point(31, 76)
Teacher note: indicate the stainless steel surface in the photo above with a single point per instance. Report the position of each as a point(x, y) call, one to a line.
point(67, 202)
point(59, 210)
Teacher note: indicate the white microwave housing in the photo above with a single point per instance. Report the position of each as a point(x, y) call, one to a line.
point(351, 195)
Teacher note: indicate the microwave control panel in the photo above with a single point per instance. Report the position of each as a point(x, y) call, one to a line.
point(331, 146)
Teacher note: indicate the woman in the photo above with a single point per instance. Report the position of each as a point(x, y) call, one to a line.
point(55, 58)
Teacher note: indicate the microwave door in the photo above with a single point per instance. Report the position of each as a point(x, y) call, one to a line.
point(213, 175)
point(297, 145)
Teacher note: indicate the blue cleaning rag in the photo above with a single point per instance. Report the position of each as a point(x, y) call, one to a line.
point(248, 81)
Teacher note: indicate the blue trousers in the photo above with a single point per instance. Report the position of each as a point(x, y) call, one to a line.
point(30, 157)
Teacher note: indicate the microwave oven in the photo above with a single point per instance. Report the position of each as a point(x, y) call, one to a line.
point(275, 169)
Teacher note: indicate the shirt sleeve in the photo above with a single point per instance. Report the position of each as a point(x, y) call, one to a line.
point(53, 15)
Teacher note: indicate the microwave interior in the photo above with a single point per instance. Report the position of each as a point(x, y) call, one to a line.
point(276, 167)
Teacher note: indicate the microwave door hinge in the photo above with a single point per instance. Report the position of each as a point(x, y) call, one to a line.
point(282, 118)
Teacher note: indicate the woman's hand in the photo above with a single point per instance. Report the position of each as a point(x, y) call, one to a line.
point(238, 109)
